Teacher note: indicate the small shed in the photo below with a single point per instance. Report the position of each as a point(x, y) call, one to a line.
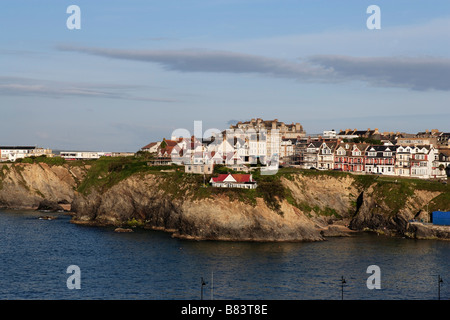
point(441, 218)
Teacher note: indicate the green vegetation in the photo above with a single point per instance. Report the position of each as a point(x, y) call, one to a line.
point(272, 191)
point(53, 161)
point(394, 194)
point(108, 171)
point(134, 223)
point(441, 202)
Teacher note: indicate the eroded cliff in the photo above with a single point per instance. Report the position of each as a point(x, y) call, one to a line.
point(295, 205)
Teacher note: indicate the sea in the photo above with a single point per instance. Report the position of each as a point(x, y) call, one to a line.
point(59, 260)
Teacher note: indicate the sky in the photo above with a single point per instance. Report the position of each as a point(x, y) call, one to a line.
point(136, 71)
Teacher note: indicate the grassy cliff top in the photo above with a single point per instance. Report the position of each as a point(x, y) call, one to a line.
point(107, 171)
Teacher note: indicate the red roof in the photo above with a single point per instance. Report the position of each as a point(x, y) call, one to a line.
point(239, 177)
point(149, 145)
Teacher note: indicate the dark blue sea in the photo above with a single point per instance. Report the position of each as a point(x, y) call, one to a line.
point(151, 265)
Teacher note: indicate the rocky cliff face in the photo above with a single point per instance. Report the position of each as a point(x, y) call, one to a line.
point(27, 186)
point(377, 214)
point(313, 206)
point(142, 199)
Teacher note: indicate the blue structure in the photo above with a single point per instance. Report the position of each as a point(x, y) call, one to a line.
point(441, 218)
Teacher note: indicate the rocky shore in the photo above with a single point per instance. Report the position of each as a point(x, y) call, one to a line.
point(302, 207)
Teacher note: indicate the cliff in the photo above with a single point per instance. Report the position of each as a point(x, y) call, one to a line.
point(145, 199)
point(29, 186)
point(294, 205)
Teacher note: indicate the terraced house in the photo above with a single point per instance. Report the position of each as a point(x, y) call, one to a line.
point(422, 159)
point(380, 159)
point(349, 157)
point(325, 157)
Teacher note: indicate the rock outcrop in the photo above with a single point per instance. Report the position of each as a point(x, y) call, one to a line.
point(310, 207)
point(28, 186)
point(201, 219)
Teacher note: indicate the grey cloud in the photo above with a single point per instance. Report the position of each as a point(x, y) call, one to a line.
point(34, 87)
point(211, 61)
point(423, 73)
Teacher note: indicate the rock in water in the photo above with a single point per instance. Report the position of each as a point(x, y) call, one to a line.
point(121, 230)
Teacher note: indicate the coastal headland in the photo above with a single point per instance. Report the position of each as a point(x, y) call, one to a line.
point(293, 205)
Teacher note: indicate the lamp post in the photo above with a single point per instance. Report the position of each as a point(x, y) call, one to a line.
point(439, 286)
point(203, 284)
point(342, 287)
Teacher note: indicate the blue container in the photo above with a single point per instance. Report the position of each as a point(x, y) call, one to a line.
point(441, 218)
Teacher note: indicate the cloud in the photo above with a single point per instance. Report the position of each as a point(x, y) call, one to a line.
point(211, 61)
point(33, 87)
point(416, 73)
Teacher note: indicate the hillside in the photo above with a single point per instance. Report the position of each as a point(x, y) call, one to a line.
point(294, 205)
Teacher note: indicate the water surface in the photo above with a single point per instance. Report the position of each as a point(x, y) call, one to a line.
point(147, 264)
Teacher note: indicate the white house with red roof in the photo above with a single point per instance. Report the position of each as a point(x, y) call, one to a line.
point(238, 180)
point(152, 147)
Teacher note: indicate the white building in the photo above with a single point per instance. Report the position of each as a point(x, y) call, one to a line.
point(417, 161)
point(380, 159)
point(199, 168)
point(83, 155)
point(325, 157)
point(422, 160)
point(330, 134)
point(151, 147)
point(12, 153)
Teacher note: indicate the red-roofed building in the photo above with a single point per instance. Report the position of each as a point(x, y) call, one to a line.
point(151, 147)
point(229, 180)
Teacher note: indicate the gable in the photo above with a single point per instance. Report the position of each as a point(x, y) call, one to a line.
point(229, 178)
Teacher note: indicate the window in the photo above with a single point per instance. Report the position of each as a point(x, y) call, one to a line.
point(420, 156)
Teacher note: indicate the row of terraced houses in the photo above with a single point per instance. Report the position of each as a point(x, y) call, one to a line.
point(423, 155)
point(408, 160)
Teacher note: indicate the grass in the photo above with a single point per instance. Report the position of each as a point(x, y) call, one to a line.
point(108, 171)
point(52, 161)
point(441, 202)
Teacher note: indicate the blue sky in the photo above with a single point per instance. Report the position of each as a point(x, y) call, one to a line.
point(138, 70)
